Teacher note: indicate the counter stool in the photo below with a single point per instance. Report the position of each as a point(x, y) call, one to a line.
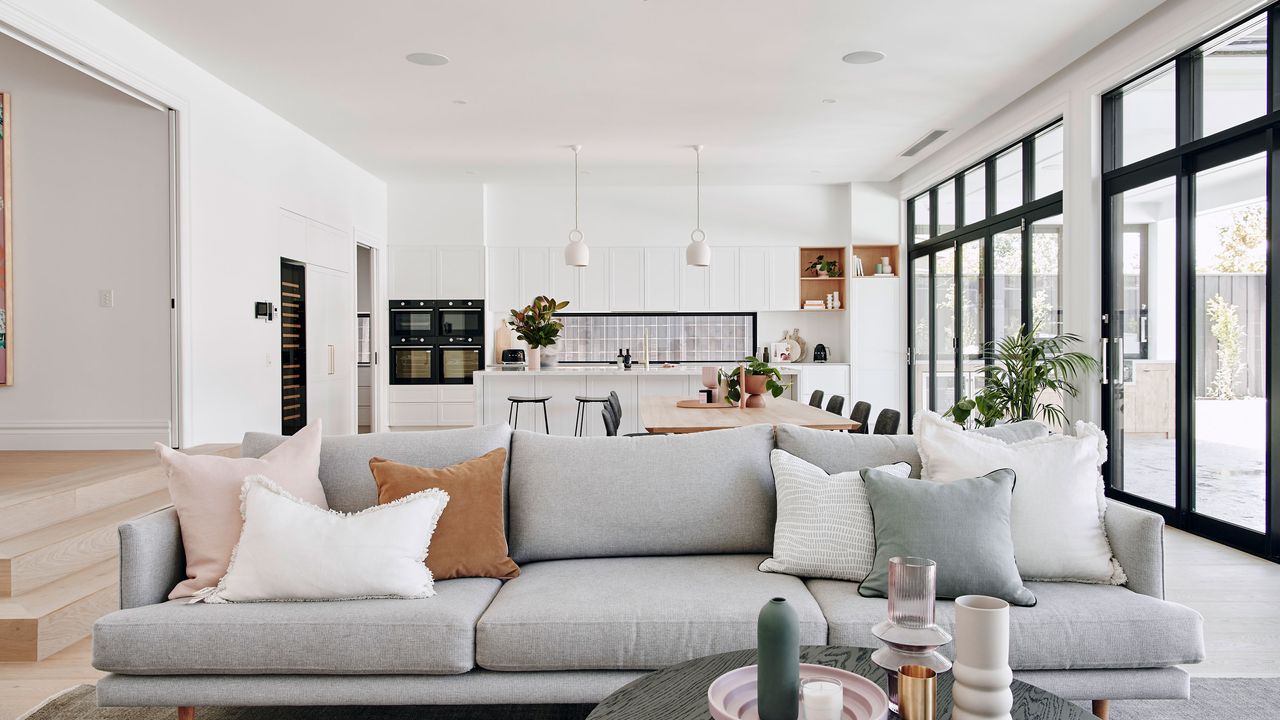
point(518, 400)
point(580, 420)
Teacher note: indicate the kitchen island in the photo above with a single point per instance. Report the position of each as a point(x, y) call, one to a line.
point(564, 382)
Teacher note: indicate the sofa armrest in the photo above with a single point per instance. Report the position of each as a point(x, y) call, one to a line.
point(152, 561)
point(1137, 539)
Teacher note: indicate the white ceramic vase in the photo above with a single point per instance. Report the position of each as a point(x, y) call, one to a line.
point(982, 674)
point(533, 358)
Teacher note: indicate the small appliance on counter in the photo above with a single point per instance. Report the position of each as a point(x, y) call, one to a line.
point(819, 353)
point(513, 359)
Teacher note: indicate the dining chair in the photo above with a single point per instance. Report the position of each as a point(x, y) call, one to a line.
point(836, 405)
point(610, 422)
point(862, 415)
point(816, 399)
point(887, 422)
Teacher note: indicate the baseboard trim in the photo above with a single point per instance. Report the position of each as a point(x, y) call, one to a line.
point(82, 435)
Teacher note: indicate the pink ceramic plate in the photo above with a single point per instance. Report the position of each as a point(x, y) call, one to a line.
point(732, 696)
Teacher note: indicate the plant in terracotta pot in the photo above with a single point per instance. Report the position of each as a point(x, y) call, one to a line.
point(537, 327)
point(761, 378)
point(824, 267)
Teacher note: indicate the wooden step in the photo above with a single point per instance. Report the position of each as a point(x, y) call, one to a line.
point(37, 624)
point(34, 504)
point(48, 554)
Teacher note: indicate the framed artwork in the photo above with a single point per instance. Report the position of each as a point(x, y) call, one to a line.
point(6, 250)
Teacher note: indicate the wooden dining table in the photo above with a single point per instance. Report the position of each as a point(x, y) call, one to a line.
point(659, 414)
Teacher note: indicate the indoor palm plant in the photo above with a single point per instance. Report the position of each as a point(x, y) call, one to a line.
point(537, 327)
point(761, 378)
point(1017, 375)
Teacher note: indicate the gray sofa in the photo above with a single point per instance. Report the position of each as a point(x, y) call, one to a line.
point(635, 553)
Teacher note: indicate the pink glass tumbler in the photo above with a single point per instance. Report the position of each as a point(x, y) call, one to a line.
point(912, 588)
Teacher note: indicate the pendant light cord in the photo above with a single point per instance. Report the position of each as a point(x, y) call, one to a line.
point(576, 148)
point(698, 176)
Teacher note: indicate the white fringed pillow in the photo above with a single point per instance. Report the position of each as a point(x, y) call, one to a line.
point(292, 550)
point(1058, 499)
point(824, 528)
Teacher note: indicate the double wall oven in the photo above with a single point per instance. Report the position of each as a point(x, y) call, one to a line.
point(436, 342)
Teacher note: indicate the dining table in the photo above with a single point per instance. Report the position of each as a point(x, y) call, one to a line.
point(661, 414)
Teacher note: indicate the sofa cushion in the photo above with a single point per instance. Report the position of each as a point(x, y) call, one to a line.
point(1074, 626)
point(433, 636)
point(344, 459)
point(706, 492)
point(634, 613)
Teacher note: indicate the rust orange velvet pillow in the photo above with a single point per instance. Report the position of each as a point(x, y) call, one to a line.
point(470, 538)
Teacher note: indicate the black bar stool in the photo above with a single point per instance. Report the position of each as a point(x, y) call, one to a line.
point(580, 420)
point(514, 409)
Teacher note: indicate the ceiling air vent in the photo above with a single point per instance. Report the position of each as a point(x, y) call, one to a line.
point(923, 143)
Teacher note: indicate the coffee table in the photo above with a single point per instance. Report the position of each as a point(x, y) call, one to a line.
point(680, 691)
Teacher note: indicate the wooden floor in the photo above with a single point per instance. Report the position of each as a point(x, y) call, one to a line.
point(1235, 592)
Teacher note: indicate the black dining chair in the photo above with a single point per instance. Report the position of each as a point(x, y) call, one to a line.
point(836, 404)
point(887, 422)
point(610, 422)
point(862, 415)
point(612, 414)
point(816, 399)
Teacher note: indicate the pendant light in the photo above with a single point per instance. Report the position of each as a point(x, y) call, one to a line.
point(698, 254)
point(576, 253)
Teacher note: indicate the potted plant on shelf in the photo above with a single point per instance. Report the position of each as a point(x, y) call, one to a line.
point(761, 378)
point(824, 267)
point(537, 327)
point(1023, 379)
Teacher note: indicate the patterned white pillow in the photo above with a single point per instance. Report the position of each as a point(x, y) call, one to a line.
point(824, 525)
point(292, 550)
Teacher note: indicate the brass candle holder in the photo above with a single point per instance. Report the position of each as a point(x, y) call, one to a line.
point(917, 693)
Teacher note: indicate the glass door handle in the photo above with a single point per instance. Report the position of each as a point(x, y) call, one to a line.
point(1106, 358)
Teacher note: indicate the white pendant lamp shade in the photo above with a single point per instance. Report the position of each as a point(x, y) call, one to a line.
point(698, 254)
point(576, 253)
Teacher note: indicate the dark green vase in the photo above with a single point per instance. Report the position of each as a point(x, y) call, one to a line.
point(778, 669)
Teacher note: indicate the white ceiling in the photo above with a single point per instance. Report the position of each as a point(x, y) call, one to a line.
point(634, 81)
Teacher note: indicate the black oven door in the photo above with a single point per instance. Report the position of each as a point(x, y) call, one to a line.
point(461, 323)
point(413, 318)
point(413, 364)
point(458, 363)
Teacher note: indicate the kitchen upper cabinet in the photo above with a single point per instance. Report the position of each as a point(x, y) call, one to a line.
point(723, 278)
point(566, 282)
point(753, 278)
point(460, 273)
point(662, 278)
point(293, 236)
point(534, 274)
point(784, 278)
point(329, 247)
point(626, 279)
point(504, 280)
point(695, 288)
point(594, 287)
point(413, 273)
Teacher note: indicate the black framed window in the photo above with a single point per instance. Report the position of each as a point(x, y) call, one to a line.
point(984, 248)
point(1191, 168)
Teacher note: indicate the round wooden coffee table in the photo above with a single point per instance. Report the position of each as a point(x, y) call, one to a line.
point(680, 691)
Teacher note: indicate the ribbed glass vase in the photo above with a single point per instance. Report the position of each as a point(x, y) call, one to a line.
point(912, 591)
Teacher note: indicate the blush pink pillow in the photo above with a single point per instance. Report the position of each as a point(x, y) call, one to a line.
point(206, 493)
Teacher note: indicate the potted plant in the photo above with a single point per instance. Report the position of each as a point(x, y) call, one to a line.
point(761, 378)
point(824, 267)
point(1022, 378)
point(537, 327)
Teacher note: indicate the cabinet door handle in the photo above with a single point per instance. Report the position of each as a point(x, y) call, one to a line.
point(1106, 358)
point(332, 365)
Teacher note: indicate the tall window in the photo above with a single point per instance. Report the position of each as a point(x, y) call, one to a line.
point(1190, 153)
point(984, 247)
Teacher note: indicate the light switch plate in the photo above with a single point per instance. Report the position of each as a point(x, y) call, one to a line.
point(106, 298)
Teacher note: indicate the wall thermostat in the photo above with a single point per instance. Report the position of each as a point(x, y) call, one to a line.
point(263, 310)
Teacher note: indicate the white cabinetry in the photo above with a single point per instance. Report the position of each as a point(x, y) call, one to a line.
point(566, 282)
point(412, 272)
point(594, 287)
point(504, 279)
point(331, 356)
point(878, 348)
point(419, 272)
point(724, 279)
point(626, 279)
point(662, 278)
point(830, 378)
point(753, 277)
point(695, 288)
point(535, 274)
point(784, 278)
point(416, 406)
point(460, 273)
point(329, 247)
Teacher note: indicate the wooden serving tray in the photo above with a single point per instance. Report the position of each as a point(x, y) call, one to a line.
point(703, 405)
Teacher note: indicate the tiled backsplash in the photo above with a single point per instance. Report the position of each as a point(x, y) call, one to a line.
point(675, 338)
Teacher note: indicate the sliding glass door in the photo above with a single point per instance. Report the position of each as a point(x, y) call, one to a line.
point(1188, 251)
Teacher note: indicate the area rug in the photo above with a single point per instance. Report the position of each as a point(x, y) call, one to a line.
point(1235, 698)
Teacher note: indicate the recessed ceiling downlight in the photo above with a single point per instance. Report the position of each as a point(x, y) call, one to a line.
point(425, 58)
point(863, 57)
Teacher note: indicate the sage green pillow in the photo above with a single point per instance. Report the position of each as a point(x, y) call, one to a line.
point(962, 525)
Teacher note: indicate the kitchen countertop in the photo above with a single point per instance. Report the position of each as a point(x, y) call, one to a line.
point(636, 369)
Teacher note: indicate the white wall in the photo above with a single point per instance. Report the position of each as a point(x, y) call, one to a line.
point(1075, 94)
point(90, 209)
point(240, 164)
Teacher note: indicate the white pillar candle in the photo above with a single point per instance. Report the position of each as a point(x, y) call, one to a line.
point(822, 699)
